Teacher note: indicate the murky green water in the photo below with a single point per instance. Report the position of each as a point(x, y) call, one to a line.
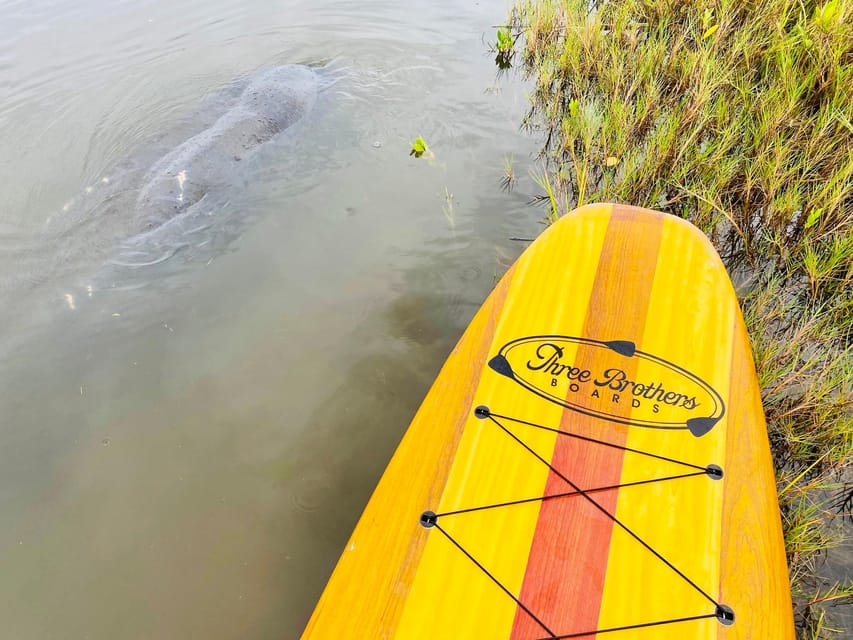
point(184, 448)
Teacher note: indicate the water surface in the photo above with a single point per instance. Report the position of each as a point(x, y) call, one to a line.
point(185, 447)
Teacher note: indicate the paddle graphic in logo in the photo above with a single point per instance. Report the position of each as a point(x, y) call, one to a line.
point(605, 379)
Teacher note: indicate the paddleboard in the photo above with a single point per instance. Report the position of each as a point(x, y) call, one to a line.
point(591, 461)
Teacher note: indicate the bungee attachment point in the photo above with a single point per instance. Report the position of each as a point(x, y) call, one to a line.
point(715, 472)
point(725, 615)
point(428, 519)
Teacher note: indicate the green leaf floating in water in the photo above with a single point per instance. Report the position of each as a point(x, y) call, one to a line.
point(419, 147)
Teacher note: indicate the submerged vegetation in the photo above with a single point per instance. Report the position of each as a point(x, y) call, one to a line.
point(737, 116)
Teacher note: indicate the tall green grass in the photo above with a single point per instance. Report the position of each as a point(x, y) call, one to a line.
point(738, 116)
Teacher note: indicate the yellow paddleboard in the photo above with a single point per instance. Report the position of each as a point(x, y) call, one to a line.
point(592, 460)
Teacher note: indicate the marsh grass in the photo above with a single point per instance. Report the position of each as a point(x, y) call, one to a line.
point(508, 179)
point(737, 116)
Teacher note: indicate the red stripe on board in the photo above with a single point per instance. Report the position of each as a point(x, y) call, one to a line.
point(567, 565)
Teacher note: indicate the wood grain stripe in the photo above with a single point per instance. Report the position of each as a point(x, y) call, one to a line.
point(751, 529)
point(568, 559)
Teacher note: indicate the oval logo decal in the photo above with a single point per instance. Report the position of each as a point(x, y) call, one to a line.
point(603, 378)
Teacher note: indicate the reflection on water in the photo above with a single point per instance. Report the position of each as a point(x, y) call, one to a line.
point(185, 446)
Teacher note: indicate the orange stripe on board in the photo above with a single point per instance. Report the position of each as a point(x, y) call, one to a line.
point(567, 564)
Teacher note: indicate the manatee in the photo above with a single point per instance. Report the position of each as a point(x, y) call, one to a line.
point(150, 209)
point(161, 201)
point(271, 102)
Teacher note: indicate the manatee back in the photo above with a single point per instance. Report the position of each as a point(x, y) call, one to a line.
point(273, 100)
point(282, 95)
